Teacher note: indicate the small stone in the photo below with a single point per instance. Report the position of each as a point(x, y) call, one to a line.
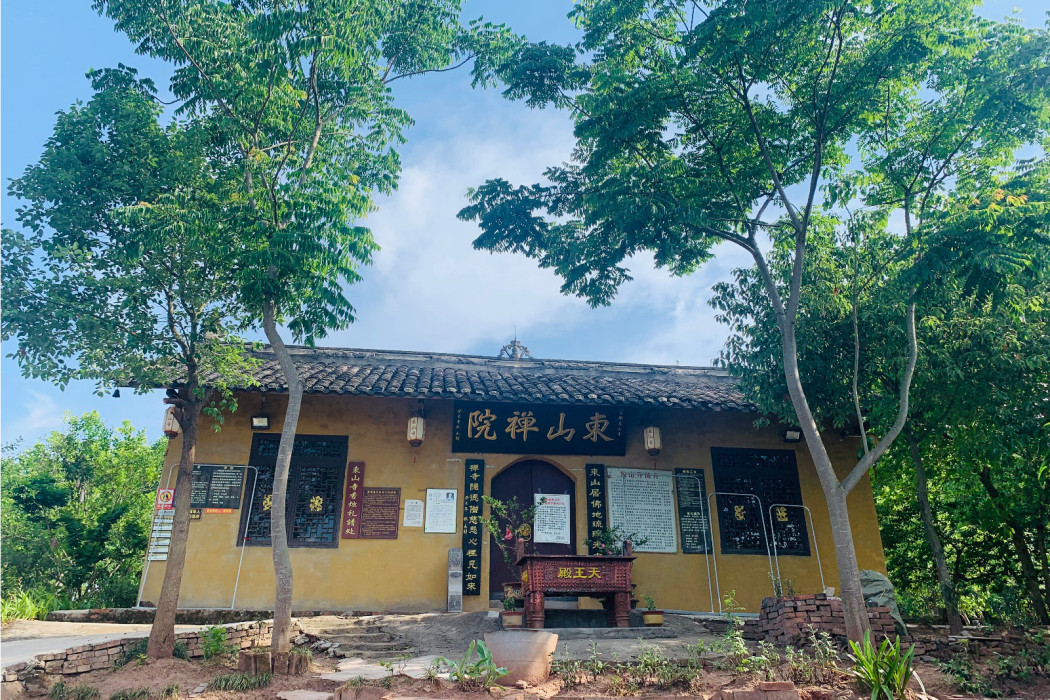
point(300, 640)
point(522, 684)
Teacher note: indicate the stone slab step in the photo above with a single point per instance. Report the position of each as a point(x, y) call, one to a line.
point(611, 632)
point(372, 646)
point(371, 655)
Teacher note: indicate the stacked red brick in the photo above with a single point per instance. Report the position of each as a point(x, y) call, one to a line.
point(787, 620)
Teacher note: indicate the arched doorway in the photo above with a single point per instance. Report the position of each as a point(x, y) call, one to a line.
point(522, 481)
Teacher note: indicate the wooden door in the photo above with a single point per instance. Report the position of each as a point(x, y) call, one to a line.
point(522, 481)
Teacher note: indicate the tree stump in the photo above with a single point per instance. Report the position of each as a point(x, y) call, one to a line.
point(254, 662)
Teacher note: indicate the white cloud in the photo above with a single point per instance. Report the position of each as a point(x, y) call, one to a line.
point(42, 414)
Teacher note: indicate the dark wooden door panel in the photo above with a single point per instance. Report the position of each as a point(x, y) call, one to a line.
point(522, 481)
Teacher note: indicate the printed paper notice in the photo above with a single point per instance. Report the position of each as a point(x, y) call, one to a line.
point(642, 501)
point(442, 512)
point(413, 513)
point(551, 523)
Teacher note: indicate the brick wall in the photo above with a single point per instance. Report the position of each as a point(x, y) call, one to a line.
point(787, 620)
point(93, 657)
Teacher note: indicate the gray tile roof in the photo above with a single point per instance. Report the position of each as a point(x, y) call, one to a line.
point(355, 372)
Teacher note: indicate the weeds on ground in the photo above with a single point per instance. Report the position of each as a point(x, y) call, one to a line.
point(470, 674)
point(240, 681)
point(131, 694)
point(396, 668)
point(61, 691)
point(966, 676)
point(136, 651)
point(170, 692)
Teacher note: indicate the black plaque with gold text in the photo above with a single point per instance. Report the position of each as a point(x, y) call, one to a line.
point(508, 428)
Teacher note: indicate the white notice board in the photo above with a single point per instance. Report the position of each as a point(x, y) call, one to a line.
point(413, 513)
point(551, 523)
point(642, 501)
point(442, 512)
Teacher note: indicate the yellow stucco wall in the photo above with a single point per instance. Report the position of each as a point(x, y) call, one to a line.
point(409, 573)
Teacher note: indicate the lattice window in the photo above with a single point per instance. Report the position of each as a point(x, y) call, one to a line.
point(316, 515)
point(744, 522)
point(315, 482)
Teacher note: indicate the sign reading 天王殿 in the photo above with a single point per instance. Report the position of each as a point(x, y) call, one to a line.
point(506, 428)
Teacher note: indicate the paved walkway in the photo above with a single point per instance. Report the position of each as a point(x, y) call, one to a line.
point(22, 640)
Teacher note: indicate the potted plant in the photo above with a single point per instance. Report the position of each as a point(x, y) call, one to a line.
point(508, 522)
point(612, 542)
point(651, 616)
point(511, 618)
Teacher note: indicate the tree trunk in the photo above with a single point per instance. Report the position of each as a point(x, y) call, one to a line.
point(282, 563)
point(944, 578)
point(853, 606)
point(1024, 558)
point(161, 643)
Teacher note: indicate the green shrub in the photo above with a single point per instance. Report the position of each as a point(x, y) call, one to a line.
point(241, 681)
point(33, 604)
point(213, 643)
point(884, 671)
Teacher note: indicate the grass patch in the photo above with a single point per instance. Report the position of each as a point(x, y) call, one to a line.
point(61, 691)
point(170, 692)
point(131, 694)
point(240, 681)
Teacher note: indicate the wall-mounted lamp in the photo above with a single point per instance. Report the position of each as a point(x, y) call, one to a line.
point(171, 426)
point(417, 427)
point(653, 441)
point(261, 422)
point(793, 435)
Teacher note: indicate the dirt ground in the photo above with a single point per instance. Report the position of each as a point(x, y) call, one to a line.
point(449, 635)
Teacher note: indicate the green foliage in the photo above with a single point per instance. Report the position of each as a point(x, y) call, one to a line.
point(885, 670)
point(507, 517)
point(29, 605)
point(610, 541)
point(966, 676)
point(213, 643)
point(469, 673)
point(131, 694)
point(61, 691)
point(170, 692)
point(650, 604)
point(75, 514)
point(240, 682)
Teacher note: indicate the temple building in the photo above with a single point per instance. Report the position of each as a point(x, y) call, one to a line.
point(395, 451)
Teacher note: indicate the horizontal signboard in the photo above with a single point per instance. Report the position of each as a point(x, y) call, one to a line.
point(508, 428)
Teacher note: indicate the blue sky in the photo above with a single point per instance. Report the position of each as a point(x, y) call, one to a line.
point(428, 290)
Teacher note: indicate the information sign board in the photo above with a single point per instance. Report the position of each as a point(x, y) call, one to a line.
point(551, 522)
point(441, 510)
point(380, 508)
point(642, 501)
point(694, 524)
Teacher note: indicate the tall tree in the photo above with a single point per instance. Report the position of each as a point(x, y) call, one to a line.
point(125, 271)
point(302, 91)
point(76, 511)
point(733, 122)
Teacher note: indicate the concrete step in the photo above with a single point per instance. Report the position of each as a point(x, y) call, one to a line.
point(390, 645)
point(341, 635)
point(372, 655)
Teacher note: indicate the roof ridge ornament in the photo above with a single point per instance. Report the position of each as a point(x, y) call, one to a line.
point(514, 351)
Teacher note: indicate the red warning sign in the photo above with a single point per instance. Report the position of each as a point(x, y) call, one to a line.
point(165, 499)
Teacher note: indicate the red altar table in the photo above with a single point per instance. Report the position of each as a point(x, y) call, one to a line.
point(608, 578)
